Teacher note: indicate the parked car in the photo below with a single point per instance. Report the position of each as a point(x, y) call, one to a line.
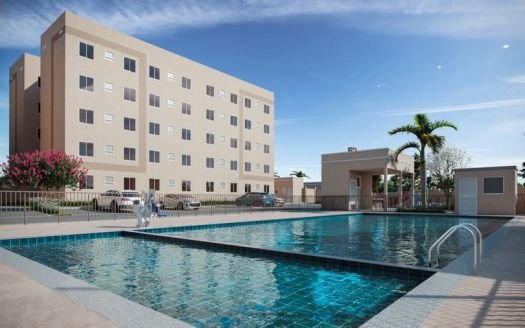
point(255, 199)
point(278, 201)
point(115, 200)
point(179, 202)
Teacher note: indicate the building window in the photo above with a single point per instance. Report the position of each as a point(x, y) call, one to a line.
point(210, 162)
point(129, 94)
point(233, 187)
point(266, 129)
point(108, 118)
point(233, 98)
point(154, 72)
point(247, 145)
point(85, 116)
point(38, 82)
point(186, 134)
point(210, 138)
point(233, 165)
point(233, 120)
point(171, 129)
point(222, 138)
point(171, 103)
point(129, 64)
point(186, 108)
point(266, 168)
point(247, 103)
point(209, 186)
point(266, 188)
point(210, 91)
point(109, 180)
point(129, 183)
point(233, 142)
point(85, 149)
point(247, 166)
point(257, 167)
point(221, 93)
point(154, 128)
point(493, 185)
point(129, 154)
point(154, 184)
point(86, 83)
point(247, 124)
point(186, 185)
point(154, 100)
point(38, 107)
point(108, 87)
point(171, 183)
point(89, 183)
point(210, 114)
point(266, 109)
point(247, 187)
point(171, 76)
point(186, 160)
point(129, 124)
point(86, 50)
point(222, 162)
point(171, 156)
point(108, 55)
point(266, 149)
point(222, 116)
point(38, 134)
point(154, 156)
point(186, 82)
point(109, 149)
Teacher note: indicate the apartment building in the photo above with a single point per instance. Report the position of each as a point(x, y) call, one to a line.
point(144, 118)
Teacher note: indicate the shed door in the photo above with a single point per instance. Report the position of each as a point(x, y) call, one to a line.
point(468, 196)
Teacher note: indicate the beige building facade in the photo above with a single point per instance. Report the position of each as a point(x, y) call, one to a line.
point(347, 178)
point(486, 190)
point(144, 118)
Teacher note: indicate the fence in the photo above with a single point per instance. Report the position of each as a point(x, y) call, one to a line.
point(40, 206)
point(520, 205)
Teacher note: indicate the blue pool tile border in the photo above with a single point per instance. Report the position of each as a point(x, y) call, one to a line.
point(30, 241)
point(404, 272)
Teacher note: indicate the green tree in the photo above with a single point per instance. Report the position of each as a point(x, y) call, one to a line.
point(423, 129)
point(299, 174)
point(521, 173)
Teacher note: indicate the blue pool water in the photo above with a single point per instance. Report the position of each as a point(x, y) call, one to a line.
point(219, 289)
point(400, 239)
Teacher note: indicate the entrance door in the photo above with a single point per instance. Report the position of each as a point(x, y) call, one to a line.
point(468, 196)
point(353, 203)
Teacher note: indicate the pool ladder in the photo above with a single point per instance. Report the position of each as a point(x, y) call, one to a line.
point(477, 239)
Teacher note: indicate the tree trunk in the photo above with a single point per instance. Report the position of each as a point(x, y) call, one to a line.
point(423, 176)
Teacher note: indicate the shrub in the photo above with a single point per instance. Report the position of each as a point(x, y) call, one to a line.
point(49, 169)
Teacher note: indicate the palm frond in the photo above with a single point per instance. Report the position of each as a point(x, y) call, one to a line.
point(436, 142)
point(409, 128)
point(443, 124)
point(422, 121)
point(403, 147)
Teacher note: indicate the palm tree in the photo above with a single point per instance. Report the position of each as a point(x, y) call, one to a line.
point(423, 129)
point(299, 174)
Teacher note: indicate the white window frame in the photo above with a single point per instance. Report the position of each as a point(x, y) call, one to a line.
point(109, 55)
point(171, 129)
point(109, 180)
point(171, 76)
point(171, 103)
point(109, 118)
point(108, 86)
point(171, 156)
point(171, 183)
point(109, 149)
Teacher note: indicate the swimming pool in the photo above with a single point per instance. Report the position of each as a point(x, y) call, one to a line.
point(206, 287)
point(398, 239)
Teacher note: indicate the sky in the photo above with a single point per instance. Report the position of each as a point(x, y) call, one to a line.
point(343, 73)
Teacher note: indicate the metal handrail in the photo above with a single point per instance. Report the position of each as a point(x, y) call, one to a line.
point(467, 226)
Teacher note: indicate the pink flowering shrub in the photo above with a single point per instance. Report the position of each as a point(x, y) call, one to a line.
point(50, 169)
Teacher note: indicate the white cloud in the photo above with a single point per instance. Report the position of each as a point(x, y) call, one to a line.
point(505, 46)
point(514, 79)
point(23, 22)
point(490, 105)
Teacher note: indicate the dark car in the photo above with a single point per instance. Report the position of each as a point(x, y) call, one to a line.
point(255, 199)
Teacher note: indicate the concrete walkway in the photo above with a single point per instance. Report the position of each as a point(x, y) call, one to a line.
point(493, 296)
point(26, 303)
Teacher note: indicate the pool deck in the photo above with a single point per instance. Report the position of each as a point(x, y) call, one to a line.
point(493, 295)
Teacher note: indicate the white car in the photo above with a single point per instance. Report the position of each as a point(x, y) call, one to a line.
point(115, 200)
point(179, 202)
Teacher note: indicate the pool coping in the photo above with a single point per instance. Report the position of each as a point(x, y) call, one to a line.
point(413, 308)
